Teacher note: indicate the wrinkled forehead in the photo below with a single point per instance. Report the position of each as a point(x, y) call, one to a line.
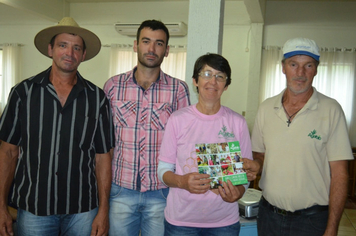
point(69, 37)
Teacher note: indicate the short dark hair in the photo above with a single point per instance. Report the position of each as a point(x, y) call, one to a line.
point(153, 25)
point(215, 61)
point(54, 37)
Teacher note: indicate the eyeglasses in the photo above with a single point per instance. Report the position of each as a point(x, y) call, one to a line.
point(208, 75)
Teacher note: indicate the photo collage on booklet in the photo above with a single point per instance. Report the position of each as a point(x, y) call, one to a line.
point(222, 161)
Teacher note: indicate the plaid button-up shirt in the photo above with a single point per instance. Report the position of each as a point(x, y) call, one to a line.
point(140, 117)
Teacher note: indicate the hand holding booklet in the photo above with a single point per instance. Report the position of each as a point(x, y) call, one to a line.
point(222, 161)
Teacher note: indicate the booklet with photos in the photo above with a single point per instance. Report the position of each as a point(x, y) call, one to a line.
point(222, 161)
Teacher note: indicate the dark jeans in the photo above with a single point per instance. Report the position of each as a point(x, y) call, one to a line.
point(270, 223)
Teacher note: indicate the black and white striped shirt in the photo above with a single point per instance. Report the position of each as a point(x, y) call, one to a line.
point(55, 173)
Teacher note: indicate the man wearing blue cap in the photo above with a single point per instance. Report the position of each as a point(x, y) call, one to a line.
point(301, 147)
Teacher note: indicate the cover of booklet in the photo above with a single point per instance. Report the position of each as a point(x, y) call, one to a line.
point(222, 162)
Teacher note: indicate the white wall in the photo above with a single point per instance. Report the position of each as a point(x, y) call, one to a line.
point(235, 41)
point(330, 24)
point(100, 18)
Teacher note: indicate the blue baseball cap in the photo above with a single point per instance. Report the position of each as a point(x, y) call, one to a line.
point(301, 46)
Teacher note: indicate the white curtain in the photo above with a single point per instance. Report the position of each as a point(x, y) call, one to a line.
point(123, 58)
point(273, 80)
point(11, 72)
point(336, 78)
point(175, 63)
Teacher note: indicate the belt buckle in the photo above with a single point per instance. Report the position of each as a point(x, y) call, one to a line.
point(280, 211)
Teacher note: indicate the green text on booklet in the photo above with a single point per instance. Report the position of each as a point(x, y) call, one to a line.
point(222, 161)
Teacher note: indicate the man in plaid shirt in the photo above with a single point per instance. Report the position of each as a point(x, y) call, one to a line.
point(142, 101)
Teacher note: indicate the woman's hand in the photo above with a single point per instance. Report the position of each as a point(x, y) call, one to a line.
point(231, 193)
point(195, 182)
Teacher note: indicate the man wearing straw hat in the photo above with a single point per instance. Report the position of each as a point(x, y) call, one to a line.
point(56, 137)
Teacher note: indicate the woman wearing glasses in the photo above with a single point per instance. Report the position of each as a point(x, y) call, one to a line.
point(193, 207)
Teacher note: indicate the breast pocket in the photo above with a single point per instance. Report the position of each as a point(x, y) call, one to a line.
point(125, 113)
point(160, 114)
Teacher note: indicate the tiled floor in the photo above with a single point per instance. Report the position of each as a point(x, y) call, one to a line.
point(347, 225)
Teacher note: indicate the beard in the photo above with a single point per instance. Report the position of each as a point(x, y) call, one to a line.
point(142, 59)
point(296, 88)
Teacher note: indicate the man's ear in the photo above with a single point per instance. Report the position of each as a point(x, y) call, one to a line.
point(50, 50)
point(167, 51)
point(84, 54)
point(283, 69)
point(135, 46)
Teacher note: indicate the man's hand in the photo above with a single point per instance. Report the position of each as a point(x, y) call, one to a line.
point(5, 222)
point(8, 159)
point(231, 193)
point(195, 182)
point(252, 168)
point(100, 226)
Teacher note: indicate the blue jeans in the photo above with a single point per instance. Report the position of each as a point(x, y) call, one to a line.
point(270, 223)
point(132, 211)
point(29, 224)
point(172, 230)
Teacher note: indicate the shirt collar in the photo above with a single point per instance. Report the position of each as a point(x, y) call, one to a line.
point(312, 103)
point(43, 79)
point(160, 79)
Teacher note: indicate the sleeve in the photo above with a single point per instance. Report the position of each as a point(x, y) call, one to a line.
point(338, 136)
point(163, 167)
point(257, 136)
point(107, 88)
point(168, 151)
point(105, 137)
point(10, 127)
point(183, 95)
point(245, 141)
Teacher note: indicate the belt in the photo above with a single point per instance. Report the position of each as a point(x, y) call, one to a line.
point(308, 211)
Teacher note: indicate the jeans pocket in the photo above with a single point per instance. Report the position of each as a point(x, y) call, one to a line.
point(318, 221)
point(164, 192)
point(115, 190)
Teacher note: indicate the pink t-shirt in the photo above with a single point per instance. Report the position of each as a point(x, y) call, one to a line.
point(185, 128)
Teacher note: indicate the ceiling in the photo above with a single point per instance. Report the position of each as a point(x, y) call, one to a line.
point(34, 12)
point(27, 12)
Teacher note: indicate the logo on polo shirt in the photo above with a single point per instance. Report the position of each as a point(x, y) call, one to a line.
point(225, 134)
point(312, 134)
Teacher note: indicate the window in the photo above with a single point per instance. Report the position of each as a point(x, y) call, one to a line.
point(335, 79)
point(10, 70)
point(0, 66)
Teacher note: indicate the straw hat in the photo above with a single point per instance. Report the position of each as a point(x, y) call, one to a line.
point(68, 25)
